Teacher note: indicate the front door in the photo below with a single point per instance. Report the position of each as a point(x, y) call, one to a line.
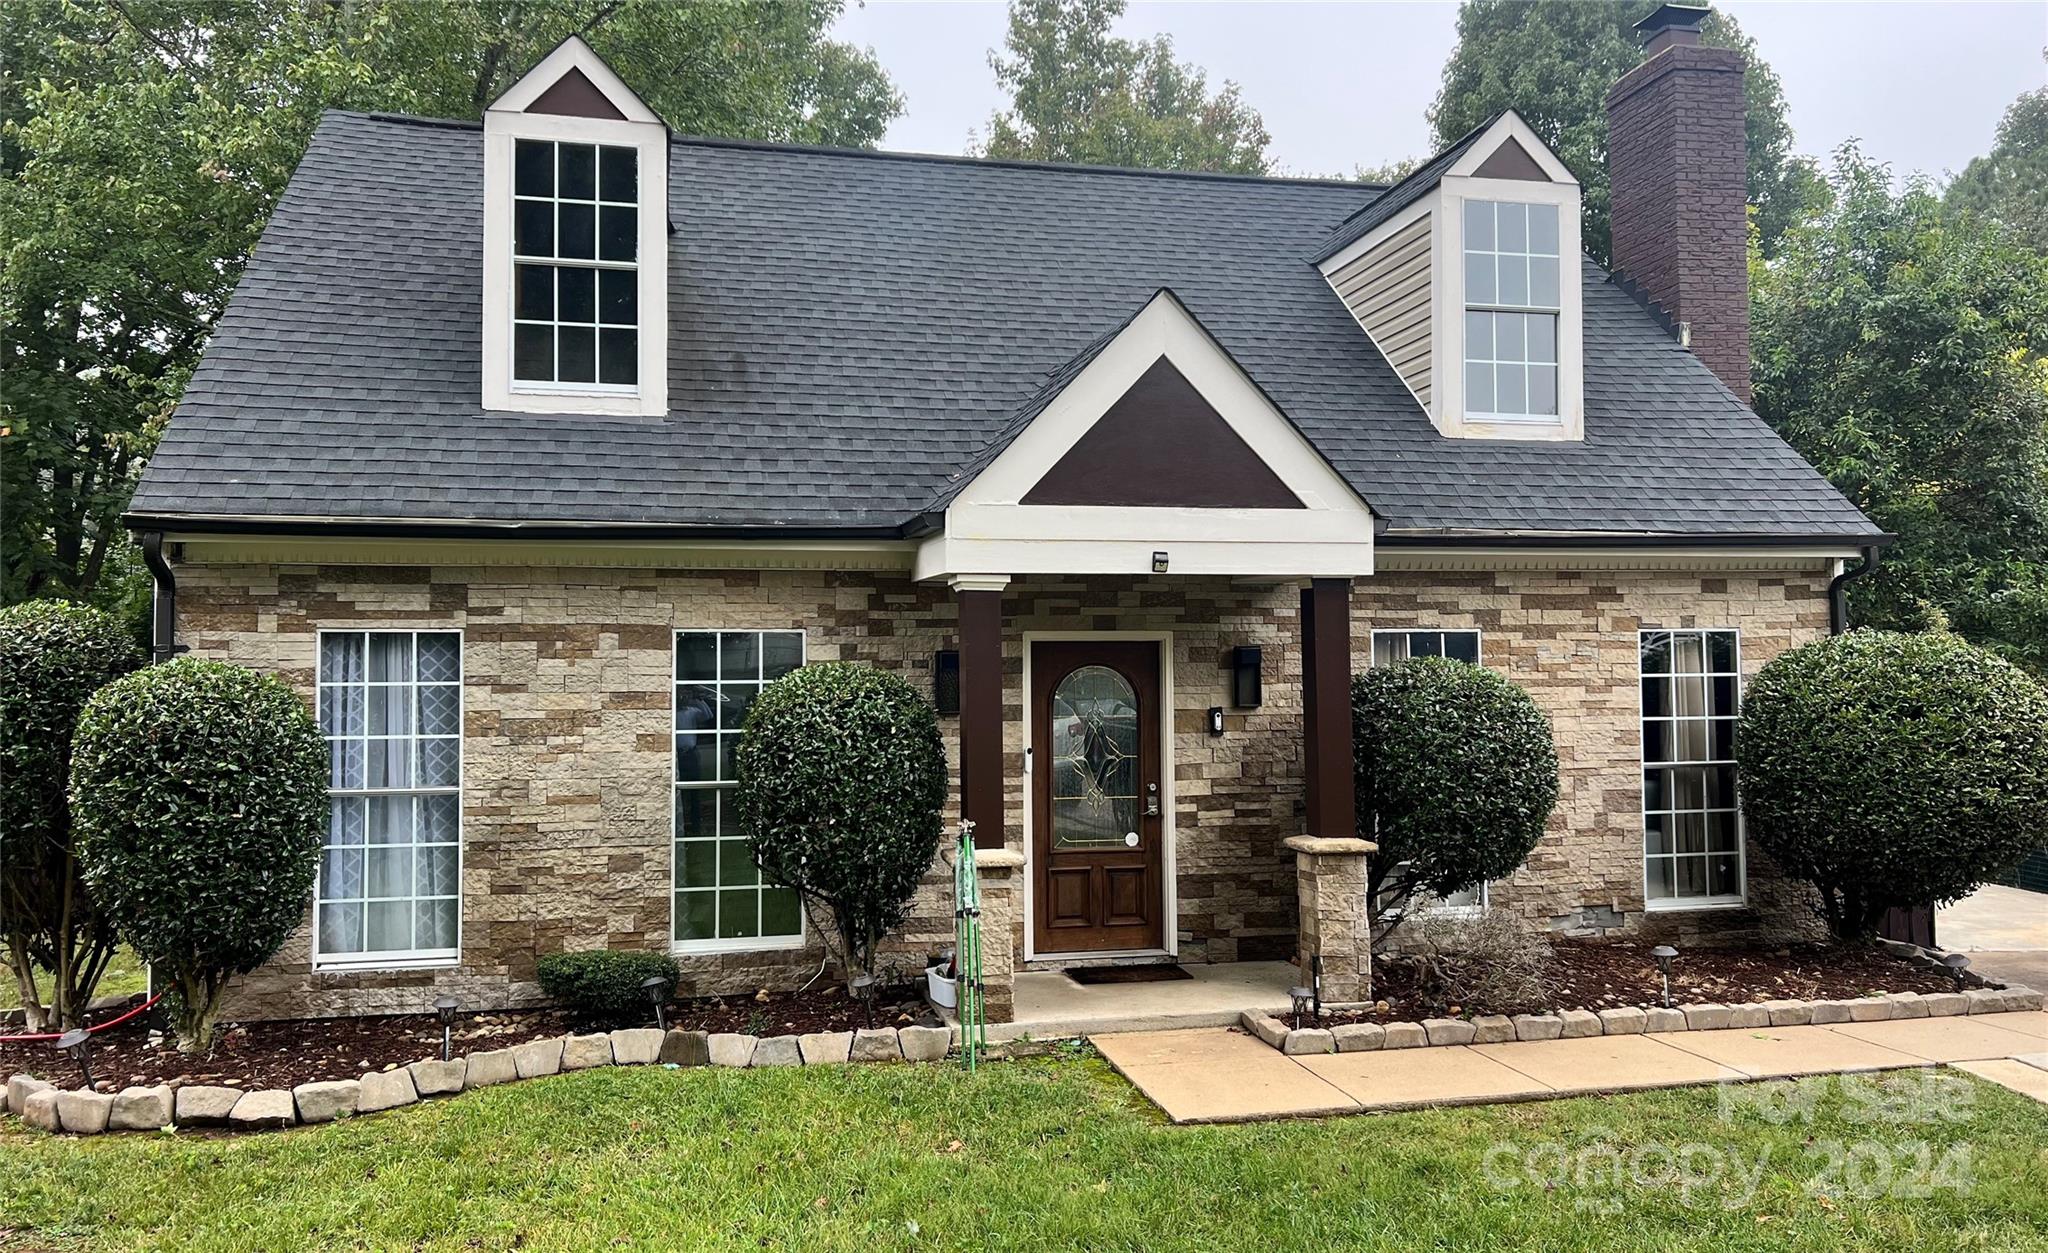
point(1097, 796)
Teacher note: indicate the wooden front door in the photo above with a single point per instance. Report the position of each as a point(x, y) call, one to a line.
point(1097, 796)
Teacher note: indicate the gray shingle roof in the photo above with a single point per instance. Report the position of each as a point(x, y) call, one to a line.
point(1398, 197)
point(850, 330)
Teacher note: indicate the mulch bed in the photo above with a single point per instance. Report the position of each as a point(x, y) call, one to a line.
point(1609, 974)
point(284, 1054)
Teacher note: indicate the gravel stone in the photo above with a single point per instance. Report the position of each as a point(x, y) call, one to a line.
point(1404, 1035)
point(1492, 1029)
point(685, 1048)
point(1447, 1030)
point(1749, 1017)
point(1579, 1024)
point(40, 1110)
point(1308, 1040)
point(1789, 1013)
point(1662, 1019)
point(1708, 1017)
point(778, 1050)
point(433, 1077)
point(1538, 1026)
point(876, 1044)
point(271, 1107)
point(537, 1057)
point(1625, 1021)
point(20, 1088)
point(487, 1068)
point(84, 1113)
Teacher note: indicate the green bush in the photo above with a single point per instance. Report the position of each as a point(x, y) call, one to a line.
point(53, 656)
point(199, 790)
point(1891, 770)
point(604, 984)
point(841, 780)
point(1456, 774)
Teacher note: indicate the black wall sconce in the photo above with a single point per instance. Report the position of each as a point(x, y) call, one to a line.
point(946, 681)
point(1247, 688)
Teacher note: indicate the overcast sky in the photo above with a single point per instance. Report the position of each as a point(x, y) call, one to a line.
point(1922, 85)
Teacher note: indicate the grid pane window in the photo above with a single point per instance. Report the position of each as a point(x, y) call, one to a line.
point(1392, 646)
point(720, 899)
point(390, 877)
point(575, 280)
point(1692, 833)
point(1512, 303)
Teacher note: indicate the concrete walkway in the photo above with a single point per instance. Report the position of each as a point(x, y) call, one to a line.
point(1050, 1006)
point(1217, 1075)
point(2004, 930)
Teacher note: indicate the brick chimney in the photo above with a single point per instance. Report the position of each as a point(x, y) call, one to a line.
point(1677, 166)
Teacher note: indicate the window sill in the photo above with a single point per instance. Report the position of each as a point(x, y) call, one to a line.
point(751, 944)
point(575, 389)
point(373, 963)
point(1692, 905)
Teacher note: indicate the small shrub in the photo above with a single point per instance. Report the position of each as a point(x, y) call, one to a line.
point(604, 984)
point(1494, 963)
point(199, 790)
point(53, 657)
point(841, 777)
point(1892, 770)
point(1456, 774)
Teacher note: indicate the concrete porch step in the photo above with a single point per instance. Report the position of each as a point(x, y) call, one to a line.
point(1050, 1006)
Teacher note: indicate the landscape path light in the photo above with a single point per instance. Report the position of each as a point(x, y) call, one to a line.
point(444, 1009)
point(1665, 954)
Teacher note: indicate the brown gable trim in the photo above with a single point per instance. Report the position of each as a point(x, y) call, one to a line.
point(1511, 160)
point(574, 95)
point(1162, 444)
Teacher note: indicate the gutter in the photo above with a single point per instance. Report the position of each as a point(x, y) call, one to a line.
point(1622, 539)
point(1838, 590)
point(163, 626)
point(202, 524)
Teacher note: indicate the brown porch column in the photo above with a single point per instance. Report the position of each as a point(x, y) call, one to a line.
point(981, 706)
point(1326, 708)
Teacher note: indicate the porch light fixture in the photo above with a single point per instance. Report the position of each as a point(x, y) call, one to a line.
point(74, 1044)
point(1159, 562)
point(1664, 954)
point(1247, 687)
point(656, 989)
point(946, 682)
point(444, 1009)
point(1957, 963)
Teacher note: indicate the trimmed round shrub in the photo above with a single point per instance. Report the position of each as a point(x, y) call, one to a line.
point(841, 779)
point(199, 790)
point(603, 983)
point(1892, 770)
point(1456, 774)
point(53, 656)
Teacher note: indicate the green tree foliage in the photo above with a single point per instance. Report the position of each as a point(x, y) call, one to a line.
point(841, 777)
point(146, 140)
point(53, 656)
point(1456, 776)
point(1899, 350)
point(1891, 770)
point(199, 796)
point(1081, 94)
point(2009, 184)
point(1553, 63)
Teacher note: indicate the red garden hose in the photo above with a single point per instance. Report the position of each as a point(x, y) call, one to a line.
point(111, 1022)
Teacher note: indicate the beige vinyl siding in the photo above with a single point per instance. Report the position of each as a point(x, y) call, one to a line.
point(1387, 290)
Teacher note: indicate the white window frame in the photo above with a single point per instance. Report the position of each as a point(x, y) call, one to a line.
point(556, 263)
point(394, 959)
point(1438, 906)
point(1687, 904)
point(1478, 640)
point(1498, 305)
point(742, 944)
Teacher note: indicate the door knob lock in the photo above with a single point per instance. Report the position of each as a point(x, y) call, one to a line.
point(1151, 800)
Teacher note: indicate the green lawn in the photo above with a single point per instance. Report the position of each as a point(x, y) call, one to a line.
point(1039, 1154)
point(125, 975)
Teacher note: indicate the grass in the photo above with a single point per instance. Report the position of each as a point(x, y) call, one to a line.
point(1048, 1153)
point(125, 975)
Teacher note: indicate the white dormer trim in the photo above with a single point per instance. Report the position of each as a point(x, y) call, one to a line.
point(1445, 206)
point(506, 122)
point(989, 529)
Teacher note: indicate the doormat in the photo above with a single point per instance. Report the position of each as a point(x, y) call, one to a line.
point(1127, 974)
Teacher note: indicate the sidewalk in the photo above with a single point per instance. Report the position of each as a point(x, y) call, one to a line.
point(1219, 1075)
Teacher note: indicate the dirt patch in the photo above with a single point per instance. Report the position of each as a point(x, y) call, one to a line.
point(1601, 974)
point(284, 1054)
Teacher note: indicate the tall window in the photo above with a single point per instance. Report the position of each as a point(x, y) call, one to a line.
point(720, 901)
point(1511, 310)
point(1392, 646)
point(391, 877)
point(1692, 839)
point(575, 241)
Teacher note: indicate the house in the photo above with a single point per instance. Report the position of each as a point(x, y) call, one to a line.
point(529, 451)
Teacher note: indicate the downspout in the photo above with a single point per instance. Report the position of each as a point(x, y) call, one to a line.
point(163, 628)
point(1838, 591)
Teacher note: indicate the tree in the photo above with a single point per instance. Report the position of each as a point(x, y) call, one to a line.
point(1456, 777)
point(1080, 94)
point(199, 794)
point(840, 779)
point(2009, 184)
point(1553, 64)
point(53, 656)
point(146, 141)
point(1899, 350)
point(1892, 770)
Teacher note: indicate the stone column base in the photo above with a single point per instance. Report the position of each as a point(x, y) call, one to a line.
point(1002, 899)
point(1330, 885)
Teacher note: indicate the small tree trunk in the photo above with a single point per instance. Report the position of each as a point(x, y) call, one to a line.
point(25, 983)
point(198, 1008)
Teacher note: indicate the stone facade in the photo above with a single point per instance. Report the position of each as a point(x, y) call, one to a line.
point(567, 739)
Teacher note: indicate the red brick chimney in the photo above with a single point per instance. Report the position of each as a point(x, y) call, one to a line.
point(1677, 167)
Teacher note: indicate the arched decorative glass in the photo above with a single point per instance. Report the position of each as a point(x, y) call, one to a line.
point(1094, 739)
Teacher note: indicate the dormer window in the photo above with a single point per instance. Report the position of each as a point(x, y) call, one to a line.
point(575, 244)
point(1512, 305)
point(575, 285)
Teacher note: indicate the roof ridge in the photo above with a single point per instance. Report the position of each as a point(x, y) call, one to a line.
point(939, 158)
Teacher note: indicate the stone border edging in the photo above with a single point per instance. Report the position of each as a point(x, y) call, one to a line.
point(1361, 1037)
point(84, 1112)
